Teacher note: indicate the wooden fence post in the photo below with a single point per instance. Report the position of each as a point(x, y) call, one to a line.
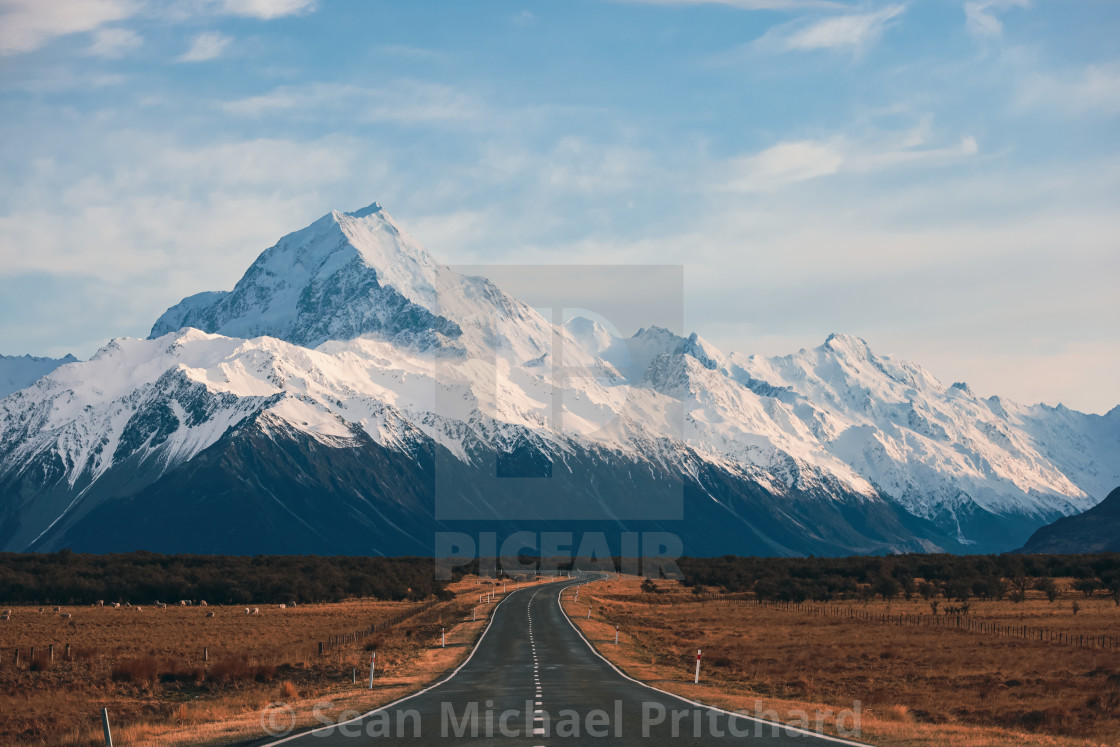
point(105, 727)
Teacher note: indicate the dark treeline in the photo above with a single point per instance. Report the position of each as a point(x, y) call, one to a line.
point(955, 577)
point(144, 578)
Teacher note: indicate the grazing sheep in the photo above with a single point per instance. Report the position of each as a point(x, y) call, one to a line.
point(66, 615)
point(58, 609)
point(283, 606)
point(256, 610)
point(202, 603)
point(139, 609)
point(100, 602)
point(209, 614)
point(182, 602)
point(247, 611)
point(116, 605)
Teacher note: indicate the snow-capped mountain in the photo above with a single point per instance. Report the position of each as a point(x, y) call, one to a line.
point(351, 394)
point(353, 274)
point(19, 371)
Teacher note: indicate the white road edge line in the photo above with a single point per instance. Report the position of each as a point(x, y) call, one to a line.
point(367, 714)
point(806, 732)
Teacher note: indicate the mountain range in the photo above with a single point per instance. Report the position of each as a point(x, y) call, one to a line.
point(351, 394)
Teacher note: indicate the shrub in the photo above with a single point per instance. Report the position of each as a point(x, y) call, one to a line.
point(143, 670)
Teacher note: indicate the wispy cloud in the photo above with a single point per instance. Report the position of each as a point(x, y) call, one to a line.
point(854, 31)
point(1095, 88)
point(802, 160)
point(267, 9)
point(114, 43)
point(27, 25)
point(208, 45)
point(401, 101)
point(980, 15)
point(851, 32)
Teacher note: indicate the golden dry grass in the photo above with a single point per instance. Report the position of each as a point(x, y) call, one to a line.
point(916, 685)
point(254, 661)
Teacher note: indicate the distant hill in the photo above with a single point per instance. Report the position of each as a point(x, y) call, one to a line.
point(21, 371)
point(1095, 530)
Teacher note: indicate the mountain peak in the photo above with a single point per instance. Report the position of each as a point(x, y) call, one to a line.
point(358, 273)
point(371, 209)
point(840, 342)
point(961, 386)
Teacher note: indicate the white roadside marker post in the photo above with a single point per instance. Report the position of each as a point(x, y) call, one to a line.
point(443, 637)
point(616, 635)
point(372, 668)
point(353, 675)
point(105, 727)
point(696, 679)
point(589, 612)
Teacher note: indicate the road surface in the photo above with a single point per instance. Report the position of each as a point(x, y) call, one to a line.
point(533, 679)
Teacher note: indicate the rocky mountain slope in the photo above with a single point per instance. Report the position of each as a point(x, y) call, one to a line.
point(1095, 530)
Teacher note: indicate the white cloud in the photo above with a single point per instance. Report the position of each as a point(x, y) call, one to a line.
point(208, 45)
point(400, 101)
point(267, 9)
point(855, 31)
point(27, 25)
point(785, 163)
point(980, 15)
point(114, 43)
point(166, 220)
point(1095, 88)
point(798, 161)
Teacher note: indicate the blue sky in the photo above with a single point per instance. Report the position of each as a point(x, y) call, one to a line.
point(941, 178)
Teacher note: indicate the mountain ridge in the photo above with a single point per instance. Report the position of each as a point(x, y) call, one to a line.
point(348, 332)
point(1095, 530)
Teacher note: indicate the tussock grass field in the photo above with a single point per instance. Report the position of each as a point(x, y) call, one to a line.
point(147, 666)
point(915, 685)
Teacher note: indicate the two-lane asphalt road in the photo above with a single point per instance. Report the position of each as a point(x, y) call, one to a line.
point(533, 679)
